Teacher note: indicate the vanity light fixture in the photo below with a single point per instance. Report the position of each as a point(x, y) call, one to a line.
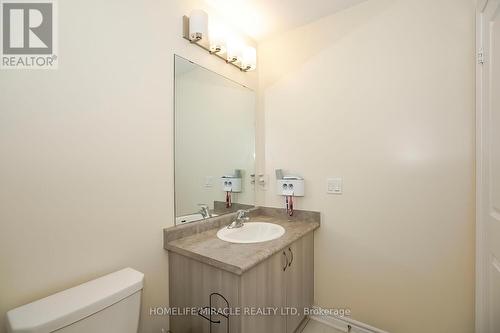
point(234, 50)
point(217, 39)
point(218, 42)
point(198, 25)
point(249, 59)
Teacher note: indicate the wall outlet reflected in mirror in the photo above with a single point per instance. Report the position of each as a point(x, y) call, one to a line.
point(209, 181)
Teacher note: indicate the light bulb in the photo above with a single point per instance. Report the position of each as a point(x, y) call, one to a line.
point(198, 25)
point(249, 59)
point(234, 49)
point(217, 39)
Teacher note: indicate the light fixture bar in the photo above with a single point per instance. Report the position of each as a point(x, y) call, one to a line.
point(204, 44)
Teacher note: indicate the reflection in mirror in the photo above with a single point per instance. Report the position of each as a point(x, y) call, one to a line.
point(214, 144)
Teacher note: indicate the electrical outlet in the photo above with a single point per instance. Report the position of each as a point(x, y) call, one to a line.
point(334, 185)
point(294, 187)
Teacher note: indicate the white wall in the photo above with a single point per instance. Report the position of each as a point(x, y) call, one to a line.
point(382, 95)
point(86, 152)
point(215, 134)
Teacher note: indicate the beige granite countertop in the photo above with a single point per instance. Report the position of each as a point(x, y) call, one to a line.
point(206, 247)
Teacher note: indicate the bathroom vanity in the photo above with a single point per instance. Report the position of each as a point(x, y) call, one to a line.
point(250, 278)
point(258, 287)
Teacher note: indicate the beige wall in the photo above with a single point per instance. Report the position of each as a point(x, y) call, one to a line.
point(86, 161)
point(382, 95)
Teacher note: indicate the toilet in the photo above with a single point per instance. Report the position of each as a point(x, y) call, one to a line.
point(109, 304)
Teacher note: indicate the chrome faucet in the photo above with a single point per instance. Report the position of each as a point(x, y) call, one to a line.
point(240, 218)
point(205, 211)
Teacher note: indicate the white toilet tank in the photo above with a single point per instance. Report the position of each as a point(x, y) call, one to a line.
point(109, 304)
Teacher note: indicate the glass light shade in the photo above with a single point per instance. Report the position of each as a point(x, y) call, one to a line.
point(234, 50)
point(198, 25)
point(249, 59)
point(217, 39)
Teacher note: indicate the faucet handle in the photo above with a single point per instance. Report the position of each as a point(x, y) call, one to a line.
point(204, 207)
point(205, 211)
point(240, 214)
point(240, 218)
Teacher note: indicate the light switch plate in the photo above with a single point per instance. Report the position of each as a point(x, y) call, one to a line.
point(263, 181)
point(334, 185)
point(209, 181)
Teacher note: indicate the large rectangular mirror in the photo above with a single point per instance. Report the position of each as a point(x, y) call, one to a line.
point(214, 143)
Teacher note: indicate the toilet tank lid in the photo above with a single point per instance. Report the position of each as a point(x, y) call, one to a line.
point(69, 306)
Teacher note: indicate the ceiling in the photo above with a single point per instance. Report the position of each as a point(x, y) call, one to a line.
point(261, 19)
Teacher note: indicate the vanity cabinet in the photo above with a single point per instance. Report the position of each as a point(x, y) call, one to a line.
point(299, 280)
point(274, 289)
point(284, 282)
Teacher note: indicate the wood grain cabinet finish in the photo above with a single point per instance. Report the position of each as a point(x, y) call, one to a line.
point(299, 282)
point(285, 281)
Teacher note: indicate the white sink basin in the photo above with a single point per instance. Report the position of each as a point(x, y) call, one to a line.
point(252, 232)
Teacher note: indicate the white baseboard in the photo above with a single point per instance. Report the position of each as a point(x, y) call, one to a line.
point(345, 324)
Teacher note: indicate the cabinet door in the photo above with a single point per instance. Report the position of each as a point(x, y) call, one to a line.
point(190, 285)
point(299, 280)
point(264, 287)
